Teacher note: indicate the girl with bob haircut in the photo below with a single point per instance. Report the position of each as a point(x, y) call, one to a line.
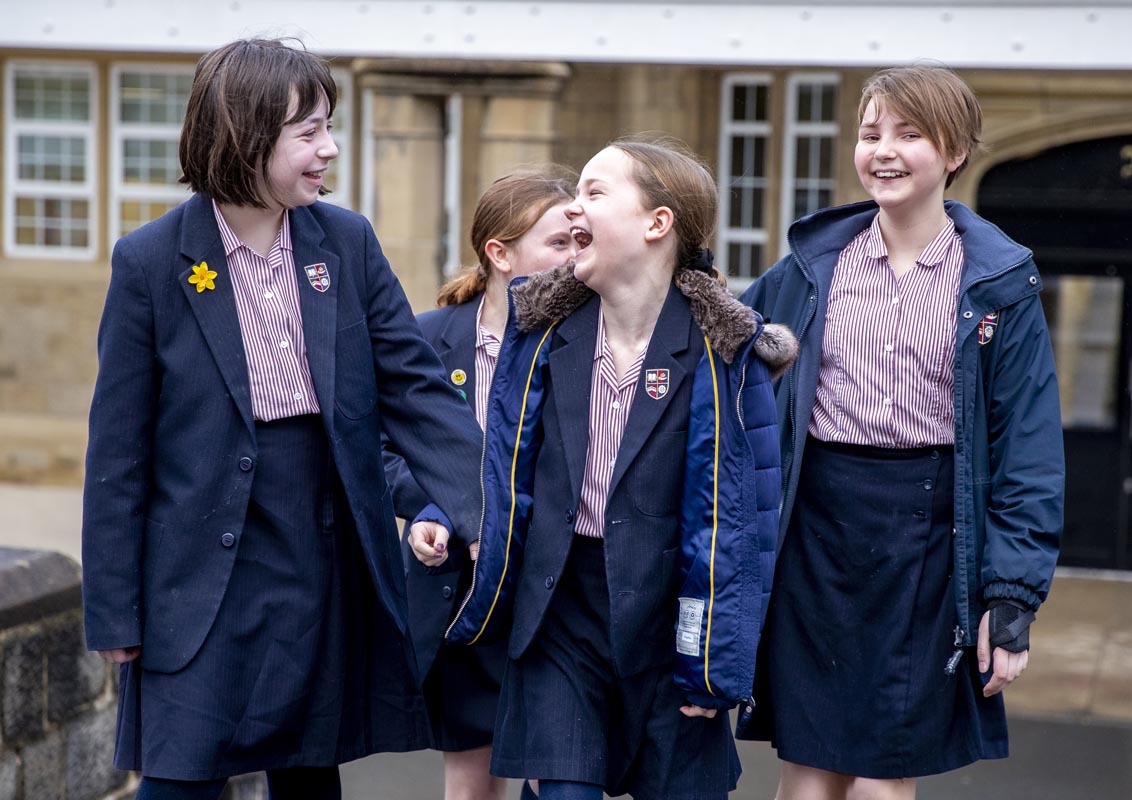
point(240, 555)
point(921, 445)
point(519, 228)
point(629, 391)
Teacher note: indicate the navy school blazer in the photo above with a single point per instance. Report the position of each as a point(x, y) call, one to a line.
point(172, 449)
point(451, 330)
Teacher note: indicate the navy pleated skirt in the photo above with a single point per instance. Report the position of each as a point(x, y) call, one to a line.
point(295, 669)
point(565, 714)
point(862, 620)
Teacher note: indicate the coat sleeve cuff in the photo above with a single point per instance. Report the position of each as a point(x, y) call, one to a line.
point(432, 513)
point(708, 701)
point(1012, 591)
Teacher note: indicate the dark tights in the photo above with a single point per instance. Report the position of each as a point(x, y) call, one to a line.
point(296, 783)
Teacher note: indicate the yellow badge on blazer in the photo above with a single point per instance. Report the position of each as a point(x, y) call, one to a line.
point(459, 377)
point(203, 277)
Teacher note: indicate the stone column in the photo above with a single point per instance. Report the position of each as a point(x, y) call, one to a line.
point(507, 120)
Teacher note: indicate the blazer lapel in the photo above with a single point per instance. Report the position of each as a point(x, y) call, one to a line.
point(670, 338)
point(571, 370)
point(215, 309)
point(318, 272)
point(458, 348)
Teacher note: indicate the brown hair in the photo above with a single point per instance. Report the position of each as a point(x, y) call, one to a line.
point(508, 209)
point(934, 99)
point(237, 108)
point(669, 174)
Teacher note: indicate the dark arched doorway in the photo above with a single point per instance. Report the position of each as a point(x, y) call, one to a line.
point(1073, 206)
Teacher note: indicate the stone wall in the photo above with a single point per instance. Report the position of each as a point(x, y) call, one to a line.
point(57, 701)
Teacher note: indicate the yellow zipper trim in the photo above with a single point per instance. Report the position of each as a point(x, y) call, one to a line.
point(714, 515)
point(514, 460)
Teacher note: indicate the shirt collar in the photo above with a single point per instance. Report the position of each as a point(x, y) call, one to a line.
point(232, 242)
point(485, 338)
point(932, 256)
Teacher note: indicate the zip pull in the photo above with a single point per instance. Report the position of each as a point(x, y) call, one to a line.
point(957, 656)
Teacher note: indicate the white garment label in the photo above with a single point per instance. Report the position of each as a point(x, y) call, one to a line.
point(688, 626)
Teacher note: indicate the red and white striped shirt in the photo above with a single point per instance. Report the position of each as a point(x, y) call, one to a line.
point(610, 403)
point(487, 354)
point(889, 346)
point(271, 324)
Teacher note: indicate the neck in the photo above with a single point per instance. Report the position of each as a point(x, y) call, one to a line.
point(255, 227)
point(494, 314)
point(911, 231)
point(631, 312)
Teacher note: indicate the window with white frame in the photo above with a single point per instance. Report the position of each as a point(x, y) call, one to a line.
point(808, 178)
point(50, 165)
point(743, 150)
point(148, 105)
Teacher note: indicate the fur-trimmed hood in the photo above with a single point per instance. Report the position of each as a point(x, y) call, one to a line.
point(727, 323)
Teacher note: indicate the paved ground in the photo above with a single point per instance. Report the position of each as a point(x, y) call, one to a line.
point(1071, 713)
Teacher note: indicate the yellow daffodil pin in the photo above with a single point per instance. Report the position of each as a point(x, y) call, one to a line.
point(202, 277)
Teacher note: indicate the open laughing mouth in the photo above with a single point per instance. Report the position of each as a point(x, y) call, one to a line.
point(890, 173)
point(582, 237)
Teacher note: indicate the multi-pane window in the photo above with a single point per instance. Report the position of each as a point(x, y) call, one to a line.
point(148, 106)
point(808, 147)
point(744, 169)
point(49, 145)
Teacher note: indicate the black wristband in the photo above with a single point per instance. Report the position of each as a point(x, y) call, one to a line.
point(1010, 624)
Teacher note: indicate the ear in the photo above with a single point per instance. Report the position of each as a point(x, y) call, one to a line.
point(498, 255)
point(660, 224)
point(956, 162)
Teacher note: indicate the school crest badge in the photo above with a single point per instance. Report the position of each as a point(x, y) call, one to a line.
point(318, 276)
point(656, 383)
point(987, 326)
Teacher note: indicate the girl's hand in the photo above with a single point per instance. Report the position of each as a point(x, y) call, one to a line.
point(120, 655)
point(429, 541)
point(1006, 666)
point(697, 711)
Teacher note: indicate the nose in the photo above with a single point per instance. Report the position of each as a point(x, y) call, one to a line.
point(573, 210)
point(328, 149)
point(886, 148)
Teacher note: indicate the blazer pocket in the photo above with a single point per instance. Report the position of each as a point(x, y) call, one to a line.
point(355, 382)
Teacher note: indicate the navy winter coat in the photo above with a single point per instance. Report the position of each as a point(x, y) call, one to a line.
point(692, 516)
point(1009, 455)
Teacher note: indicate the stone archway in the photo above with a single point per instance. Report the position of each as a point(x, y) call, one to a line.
point(1072, 204)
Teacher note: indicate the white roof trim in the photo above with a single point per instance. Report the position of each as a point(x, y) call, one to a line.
point(1002, 33)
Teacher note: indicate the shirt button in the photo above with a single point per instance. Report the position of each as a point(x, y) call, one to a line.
point(246, 464)
point(284, 344)
point(888, 347)
point(268, 295)
point(227, 540)
point(895, 300)
point(888, 401)
point(617, 404)
point(298, 395)
point(549, 581)
point(447, 592)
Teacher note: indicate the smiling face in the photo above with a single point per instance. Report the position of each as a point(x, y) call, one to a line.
point(301, 156)
point(545, 245)
point(608, 220)
point(900, 168)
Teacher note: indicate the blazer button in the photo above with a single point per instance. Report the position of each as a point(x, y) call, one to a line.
point(447, 592)
point(245, 464)
point(549, 581)
point(227, 540)
point(569, 516)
